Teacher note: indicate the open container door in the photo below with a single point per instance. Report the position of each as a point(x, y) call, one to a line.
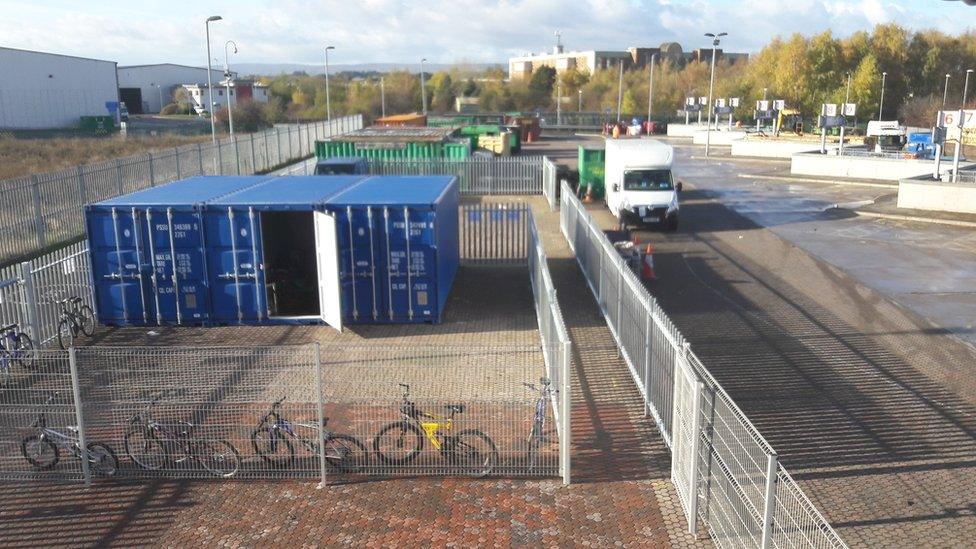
point(327, 254)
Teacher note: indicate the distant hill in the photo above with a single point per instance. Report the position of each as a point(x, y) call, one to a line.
point(272, 69)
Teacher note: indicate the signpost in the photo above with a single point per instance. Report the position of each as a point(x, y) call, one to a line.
point(960, 127)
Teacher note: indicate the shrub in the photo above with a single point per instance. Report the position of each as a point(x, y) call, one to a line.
point(172, 108)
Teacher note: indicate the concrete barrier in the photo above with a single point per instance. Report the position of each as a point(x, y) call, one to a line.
point(771, 148)
point(719, 137)
point(684, 130)
point(929, 194)
point(862, 167)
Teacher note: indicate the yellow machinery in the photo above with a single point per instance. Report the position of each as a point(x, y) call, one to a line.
point(789, 120)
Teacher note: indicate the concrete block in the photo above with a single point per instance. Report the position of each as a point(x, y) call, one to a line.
point(862, 167)
point(770, 148)
point(922, 194)
point(721, 136)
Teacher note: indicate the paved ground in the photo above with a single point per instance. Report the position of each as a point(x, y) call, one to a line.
point(621, 493)
point(870, 406)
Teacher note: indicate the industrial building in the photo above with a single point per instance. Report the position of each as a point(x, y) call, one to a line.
point(633, 58)
point(147, 88)
point(47, 90)
point(245, 90)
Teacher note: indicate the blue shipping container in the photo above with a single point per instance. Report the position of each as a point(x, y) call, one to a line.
point(133, 240)
point(399, 250)
point(261, 249)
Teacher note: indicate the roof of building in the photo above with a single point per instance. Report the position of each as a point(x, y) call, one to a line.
point(406, 117)
point(167, 65)
point(59, 55)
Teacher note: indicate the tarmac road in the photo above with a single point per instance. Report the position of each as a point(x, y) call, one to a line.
point(870, 405)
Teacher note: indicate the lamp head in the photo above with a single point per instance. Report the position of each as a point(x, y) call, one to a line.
point(214, 18)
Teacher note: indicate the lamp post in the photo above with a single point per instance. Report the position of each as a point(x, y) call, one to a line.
point(716, 38)
point(383, 97)
point(620, 90)
point(580, 93)
point(764, 93)
point(559, 101)
point(213, 123)
point(884, 76)
point(328, 99)
point(650, 92)
point(159, 90)
point(423, 87)
point(965, 88)
point(945, 92)
point(227, 83)
point(847, 95)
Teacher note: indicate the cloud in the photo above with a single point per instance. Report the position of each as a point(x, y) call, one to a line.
point(442, 31)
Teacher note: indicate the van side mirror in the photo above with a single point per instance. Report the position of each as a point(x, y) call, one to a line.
point(616, 187)
point(679, 186)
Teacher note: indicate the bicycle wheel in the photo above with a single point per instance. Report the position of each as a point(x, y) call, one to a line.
point(23, 351)
point(102, 460)
point(219, 457)
point(144, 449)
point(273, 447)
point(398, 443)
point(346, 453)
point(474, 453)
point(66, 334)
point(40, 452)
point(86, 320)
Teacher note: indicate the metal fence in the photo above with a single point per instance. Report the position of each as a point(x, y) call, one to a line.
point(42, 210)
point(556, 345)
point(478, 176)
point(494, 233)
point(725, 473)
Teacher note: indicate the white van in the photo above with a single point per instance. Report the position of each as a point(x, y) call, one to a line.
point(640, 187)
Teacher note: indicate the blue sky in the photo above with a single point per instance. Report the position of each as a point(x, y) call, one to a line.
point(294, 31)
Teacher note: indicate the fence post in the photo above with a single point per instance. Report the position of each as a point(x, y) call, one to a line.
point(278, 146)
point(254, 158)
point(696, 421)
point(648, 347)
point(237, 155)
point(564, 443)
point(152, 171)
point(290, 153)
point(179, 174)
point(770, 507)
point(38, 214)
point(79, 416)
point(220, 158)
point(30, 303)
point(321, 413)
point(200, 157)
point(301, 151)
point(82, 193)
point(118, 175)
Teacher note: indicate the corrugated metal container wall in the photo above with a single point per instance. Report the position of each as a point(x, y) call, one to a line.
point(133, 240)
point(398, 240)
point(408, 151)
point(249, 232)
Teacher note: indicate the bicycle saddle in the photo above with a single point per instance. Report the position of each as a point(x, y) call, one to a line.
point(457, 408)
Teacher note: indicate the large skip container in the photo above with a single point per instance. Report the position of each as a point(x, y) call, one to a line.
point(399, 251)
point(133, 240)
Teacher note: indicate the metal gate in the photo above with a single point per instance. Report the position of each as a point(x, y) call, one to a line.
point(685, 437)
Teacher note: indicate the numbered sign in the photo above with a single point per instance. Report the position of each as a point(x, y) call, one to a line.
point(734, 102)
point(763, 105)
point(779, 104)
point(828, 109)
point(849, 109)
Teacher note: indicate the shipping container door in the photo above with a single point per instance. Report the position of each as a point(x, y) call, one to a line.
point(181, 289)
point(120, 267)
point(327, 256)
point(234, 265)
point(411, 264)
point(358, 261)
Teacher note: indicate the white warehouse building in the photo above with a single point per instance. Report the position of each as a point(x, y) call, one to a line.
point(147, 88)
point(245, 90)
point(41, 90)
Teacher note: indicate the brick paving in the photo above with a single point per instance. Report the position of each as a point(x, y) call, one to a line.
point(621, 494)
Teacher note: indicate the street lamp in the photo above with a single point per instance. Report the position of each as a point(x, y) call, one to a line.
point(423, 87)
point(328, 100)
point(764, 93)
point(884, 76)
point(213, 123)
point(945, 92)
point(847, 96)
point(650, 92)
point(159, 90)
point(227, 83)
point(965, 88)
point(716, 38)
point(383, 96)
point(580, 108)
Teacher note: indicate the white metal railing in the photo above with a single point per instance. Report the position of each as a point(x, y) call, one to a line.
point(724, 471)
point(478, 176)
point(42, 210)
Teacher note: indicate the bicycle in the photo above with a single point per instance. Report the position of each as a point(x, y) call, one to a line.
point(16, 348)
point(470, 449)
point(151, 445)
point(75, 318)
point(43, 449)
point(537, 436)
point(272, 440)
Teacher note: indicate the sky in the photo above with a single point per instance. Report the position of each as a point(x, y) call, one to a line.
point(443, 31)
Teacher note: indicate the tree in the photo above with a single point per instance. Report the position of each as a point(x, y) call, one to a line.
point(629, 104)
point(442, 91)
point(541, 85)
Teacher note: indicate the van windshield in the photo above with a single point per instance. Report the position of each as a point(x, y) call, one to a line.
point(648, 180)
point(335, 169)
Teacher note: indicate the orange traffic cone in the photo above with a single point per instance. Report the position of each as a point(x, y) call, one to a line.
point(647, 266)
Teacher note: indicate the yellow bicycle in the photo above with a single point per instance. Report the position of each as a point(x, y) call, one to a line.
point(401, 442)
